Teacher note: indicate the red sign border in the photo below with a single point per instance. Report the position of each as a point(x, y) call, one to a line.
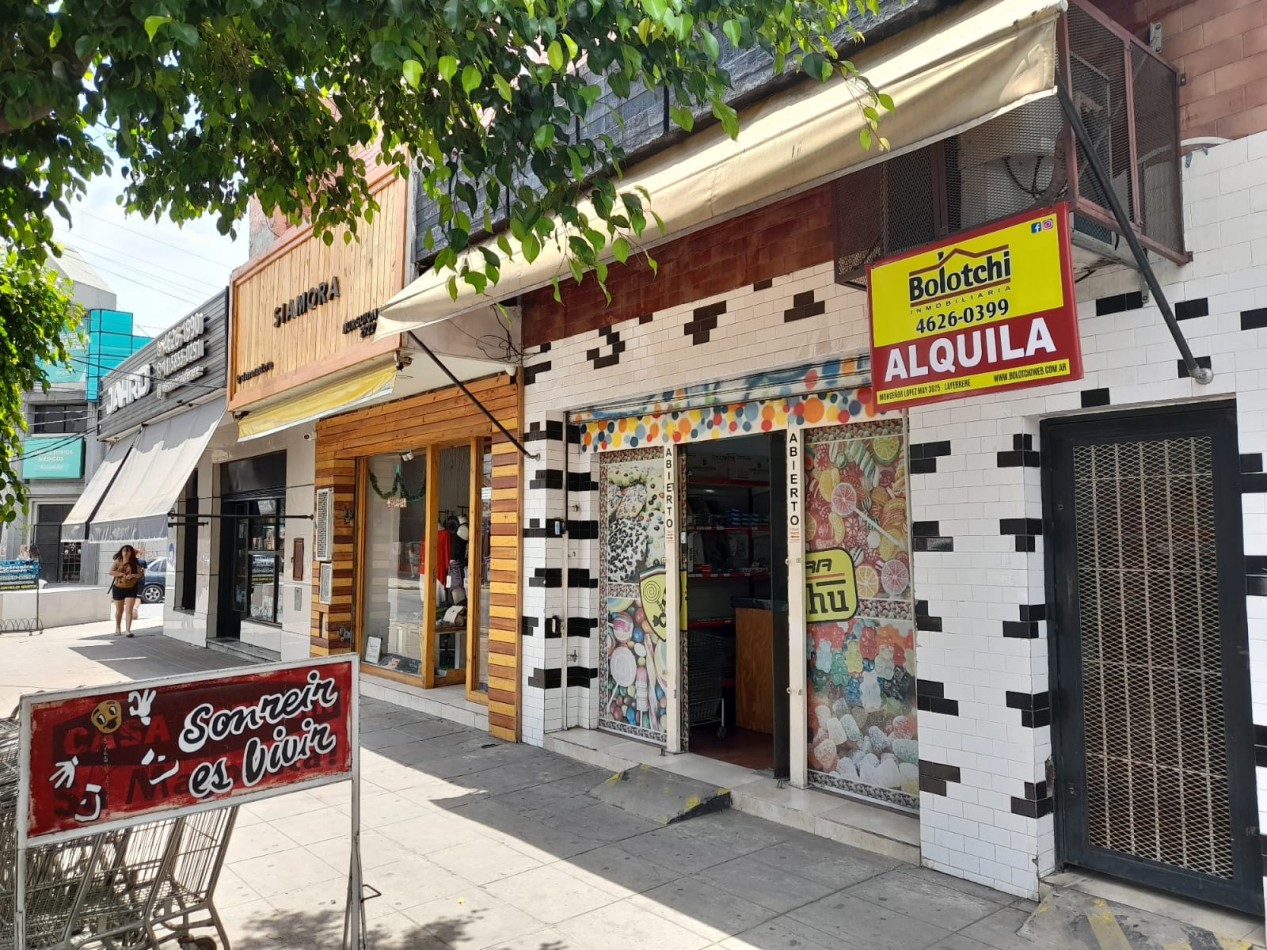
point(1070, 310)
point(30, 700)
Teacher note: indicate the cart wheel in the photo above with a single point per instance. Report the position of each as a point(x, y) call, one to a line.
point(721, 732)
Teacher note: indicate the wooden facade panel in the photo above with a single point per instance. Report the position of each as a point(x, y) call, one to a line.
point(437, 418)
point(305, 341)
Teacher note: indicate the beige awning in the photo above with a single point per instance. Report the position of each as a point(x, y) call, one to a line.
point(946, 75)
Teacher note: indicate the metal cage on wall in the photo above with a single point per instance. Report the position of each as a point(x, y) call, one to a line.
point(1127, 97)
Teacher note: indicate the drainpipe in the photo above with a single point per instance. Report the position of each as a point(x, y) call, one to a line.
point(1198, 373)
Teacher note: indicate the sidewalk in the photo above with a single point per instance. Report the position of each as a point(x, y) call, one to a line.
point(479, 843)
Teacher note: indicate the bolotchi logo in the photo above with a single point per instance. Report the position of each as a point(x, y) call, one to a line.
point(950, 278)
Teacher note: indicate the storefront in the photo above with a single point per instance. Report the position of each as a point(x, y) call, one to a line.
point(394, 470)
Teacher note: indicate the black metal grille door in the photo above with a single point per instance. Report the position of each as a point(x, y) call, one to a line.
point(1149, 778)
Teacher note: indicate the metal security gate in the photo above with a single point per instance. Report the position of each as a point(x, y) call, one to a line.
point(1152, 736)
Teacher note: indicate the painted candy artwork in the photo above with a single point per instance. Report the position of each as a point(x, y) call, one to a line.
point(767, 402)
point(633, 653)
point(861, 702)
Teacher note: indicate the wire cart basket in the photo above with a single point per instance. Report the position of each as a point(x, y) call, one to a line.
point(131, 889)
point(711, 660)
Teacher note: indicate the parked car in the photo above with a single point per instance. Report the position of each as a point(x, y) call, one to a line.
point(155, 586)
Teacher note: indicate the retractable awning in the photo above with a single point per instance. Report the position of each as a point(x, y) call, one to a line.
point(75, 527)
point(473, 345)
point(152, 476)
point(946, 75)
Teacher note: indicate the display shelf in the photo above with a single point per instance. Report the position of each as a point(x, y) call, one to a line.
point(730, 575)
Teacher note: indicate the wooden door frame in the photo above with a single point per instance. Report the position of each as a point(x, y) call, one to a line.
point(475, 571)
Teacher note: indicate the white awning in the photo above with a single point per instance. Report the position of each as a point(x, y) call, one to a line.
point(153, 474)
point(946, 75)
point(75, 527)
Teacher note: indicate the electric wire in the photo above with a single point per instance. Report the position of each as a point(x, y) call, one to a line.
point(183, 297)
point(151, 270)
point(148, 237)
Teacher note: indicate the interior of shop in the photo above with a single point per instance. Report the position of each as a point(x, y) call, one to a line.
point(731, 599)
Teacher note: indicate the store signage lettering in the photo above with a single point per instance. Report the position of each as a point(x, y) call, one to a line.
point(178, 349)
point(986, 311)
point(257, 371)
point(129, 389)
point(310, 299)
point(794, 487)
point(831, 593)
point(366, 323)
point(116, 755)
point(670, 497)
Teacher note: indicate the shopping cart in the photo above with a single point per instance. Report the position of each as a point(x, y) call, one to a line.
point(710, 662)
point(137, 888)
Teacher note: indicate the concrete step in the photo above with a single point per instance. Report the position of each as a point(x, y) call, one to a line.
point(247, 651)
point(660, 796)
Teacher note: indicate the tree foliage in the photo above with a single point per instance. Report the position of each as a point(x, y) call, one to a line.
point(37, 320)
point(204, 103)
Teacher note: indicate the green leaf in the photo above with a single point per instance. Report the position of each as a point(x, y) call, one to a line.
point(728, 117)
point(656, 9)
point(554, 55)
point(886, 101)
point(570, 43)
point(471, 78)
point(710, 44)
point(531, 247)
point(152, 23)
point(734, 31)
point(683, 117)
point(413, 72)
point(55, 34)
point(620, 249)
point(447, 67)
point(503, 87)
point(865, 137)
point(543, 137)
point(186, 33)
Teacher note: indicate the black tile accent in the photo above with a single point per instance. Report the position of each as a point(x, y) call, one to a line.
point(1253, 483)
point(644, 319)
point(1201, 361)
point(1025, 544)
point(922, 466)
point(1023, 442)
point(581, 626)
point(1028, 700)
point(803, 306)
point(703, 322)
point(1254, 319)
point(552, 431)
point(1260, 756)
point(1031, 809)
point(1256, 564)
point(1032, 612)
point(544, 347)
point(1021, 629)
point(1252, 463)
point(1019, 459)
point(546, 577)
point(929, 450)
point(553, 628)
point(1091, 398)
point(536, 532)
point(1119, 303)
point(1256, 586)
point(581, 481)
point(612, 338)
point(1036, 719)
point(574, 435)
point(933, 545)
point(583, 530)
point(1191, 309)
point(1021, 526)
point(546, 679)
point(580, 577)
point(947, 773)
point(921, 608)
point(763, 284)
point(1260, 735)
point(925, 529)
point(581, 675)
point(1035, 790)
point(527, 625)
point(930, 696)
point(928, 783)
point(547, 478)
point(928, 624)
point(532, 372)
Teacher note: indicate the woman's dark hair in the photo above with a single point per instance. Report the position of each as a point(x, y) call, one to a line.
point(131, 556)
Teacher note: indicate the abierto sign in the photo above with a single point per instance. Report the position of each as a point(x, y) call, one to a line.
point(108, 757)
point(989, 310)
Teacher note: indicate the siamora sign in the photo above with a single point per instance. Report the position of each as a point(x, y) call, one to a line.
point(985, 311)
point(103, 758)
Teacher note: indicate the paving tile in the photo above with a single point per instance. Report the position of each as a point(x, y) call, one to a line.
point(617, 871)
point(548, 939)
point(395, 931)
point(232, 891)
point(920, 895)
point(549, 893)
point(309, 827)
point(712, 912)
point(827, 862)
point(961, 942)
point(424, 834)
point(998, 930)
point(281, 871)
point(781, 933)
point(482, 865)
point(600, 821)
point(671, 849)
point(473, 920)
point(626, 925)
point(779, 891)
point(740, 833)
point(412, 881)
point(860, 925)
point(259, 840)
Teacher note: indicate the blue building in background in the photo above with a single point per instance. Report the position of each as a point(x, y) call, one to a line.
point(61, 452)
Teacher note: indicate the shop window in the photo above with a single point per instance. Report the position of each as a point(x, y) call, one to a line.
point(424, 564)
point(260, 541)
point(860, 614)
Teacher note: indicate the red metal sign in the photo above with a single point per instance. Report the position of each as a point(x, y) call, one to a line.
point(153, 748)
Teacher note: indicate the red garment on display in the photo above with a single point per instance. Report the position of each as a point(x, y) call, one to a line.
point(444, 549)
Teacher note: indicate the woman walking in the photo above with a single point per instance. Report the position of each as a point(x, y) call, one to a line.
point(128, 574)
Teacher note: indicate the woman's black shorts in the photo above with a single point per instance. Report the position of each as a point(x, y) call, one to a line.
point(123, 593)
